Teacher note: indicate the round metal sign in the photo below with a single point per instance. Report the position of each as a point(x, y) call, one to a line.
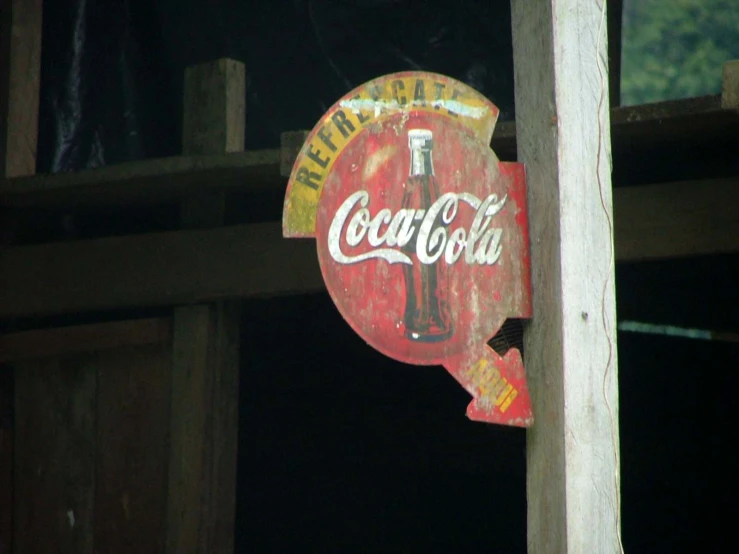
point(421, 231)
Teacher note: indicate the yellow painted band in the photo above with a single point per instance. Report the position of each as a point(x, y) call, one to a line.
point(366, 106)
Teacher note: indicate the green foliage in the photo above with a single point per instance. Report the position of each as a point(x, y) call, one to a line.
point(675, 48)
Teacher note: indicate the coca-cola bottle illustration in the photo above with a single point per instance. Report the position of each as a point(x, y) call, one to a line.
point(427, 317)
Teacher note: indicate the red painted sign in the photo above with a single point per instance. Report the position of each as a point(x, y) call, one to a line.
point(421, 232)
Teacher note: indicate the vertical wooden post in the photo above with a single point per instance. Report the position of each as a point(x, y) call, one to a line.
point(214, 115)
point(20, 77)
point(204, 412)
point(213, 122)
point(6, 459)
point(730, 85)
point(563, 132)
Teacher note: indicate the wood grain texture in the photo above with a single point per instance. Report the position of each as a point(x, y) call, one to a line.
point(55, 457)
point(204, 430)
point(20, 77)
point(213, 123)
point(214, 118)
point(190, 406)
point(76, 339)
point(132, 446)
point(6, 459)
point(156, 270)
point(148, 181)
point(673, 220)
point(204, 401)
point(6, 490)
point(223, 436)
point(676, 122)
point(730, 85)
point(564, 140)
point(684, 123)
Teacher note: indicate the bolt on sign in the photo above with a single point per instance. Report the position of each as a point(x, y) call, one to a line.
point(421, 232)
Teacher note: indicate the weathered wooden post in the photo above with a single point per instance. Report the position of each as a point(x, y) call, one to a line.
point(563, 132)
point(20, 78)
point(204, 409)
point(730, 85)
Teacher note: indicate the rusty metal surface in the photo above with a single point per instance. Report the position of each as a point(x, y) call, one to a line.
point(422, 233)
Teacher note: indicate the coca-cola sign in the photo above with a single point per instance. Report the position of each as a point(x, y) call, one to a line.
point(421, 231)
point(479, 244)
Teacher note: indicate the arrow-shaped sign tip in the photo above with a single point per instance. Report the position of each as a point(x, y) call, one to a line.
point(498, 387)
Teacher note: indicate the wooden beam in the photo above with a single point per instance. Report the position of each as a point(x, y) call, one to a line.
point(561, 77)
point(184, 267)
point(6, 460)
point(676, 220)
point(158, 269)
point(148, 181)
point(730, 85)
point(201, 506)
point(213, 124)
point(684, 122)
point(203, 429)
point(20, 77)
point(214, 117)
point(65, 341)
point(188, 464)
point(687, 121)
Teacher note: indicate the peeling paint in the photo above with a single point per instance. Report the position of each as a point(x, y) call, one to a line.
point(378, 107)
point(377, 160)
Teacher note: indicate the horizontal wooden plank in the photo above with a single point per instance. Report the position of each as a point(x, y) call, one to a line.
point(182, 267)
point(687, 120)
point(147, 181)
point(166, 179)
point(667, 110)
point(170, 268)
point(77, 339)
point(150, 181)
point(676, 219)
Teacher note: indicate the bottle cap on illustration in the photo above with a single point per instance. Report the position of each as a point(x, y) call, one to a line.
point(420, 138)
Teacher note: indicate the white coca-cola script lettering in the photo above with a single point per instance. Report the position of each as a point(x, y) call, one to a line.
point(388, 233)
